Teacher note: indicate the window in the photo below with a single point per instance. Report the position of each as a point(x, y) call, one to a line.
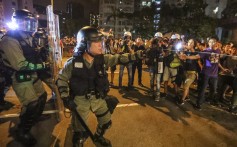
point(143, 3)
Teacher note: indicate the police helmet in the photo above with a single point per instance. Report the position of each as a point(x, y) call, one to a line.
point(86, 35)
point(158, 34)
point(25, 20)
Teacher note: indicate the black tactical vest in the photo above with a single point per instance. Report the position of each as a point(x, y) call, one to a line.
point(85, 80)
point(29, 52)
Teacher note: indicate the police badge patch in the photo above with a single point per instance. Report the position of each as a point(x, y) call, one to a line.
point(78, 65)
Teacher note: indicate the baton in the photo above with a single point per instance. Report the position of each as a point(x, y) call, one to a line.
point(84, 125)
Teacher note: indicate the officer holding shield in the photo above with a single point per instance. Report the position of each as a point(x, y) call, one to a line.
point(20, 55)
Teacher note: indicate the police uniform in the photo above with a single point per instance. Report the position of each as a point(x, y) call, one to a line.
point(41, 40)
point(87, 86)
point(19, 54)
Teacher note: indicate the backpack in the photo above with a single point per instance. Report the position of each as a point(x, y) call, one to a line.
point(172, 61)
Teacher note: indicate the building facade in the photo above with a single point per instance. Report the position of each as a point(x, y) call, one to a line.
point(109, 10)
point(2, 18)
point(7, 7)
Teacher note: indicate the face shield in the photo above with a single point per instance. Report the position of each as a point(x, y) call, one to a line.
point(98, 38)
point(25, 24)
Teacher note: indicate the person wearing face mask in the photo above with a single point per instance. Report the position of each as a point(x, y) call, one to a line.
point(210, 56)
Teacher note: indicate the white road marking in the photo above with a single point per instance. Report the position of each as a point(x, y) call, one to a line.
point(56, 111)
point(128, 105)
point(18, 114)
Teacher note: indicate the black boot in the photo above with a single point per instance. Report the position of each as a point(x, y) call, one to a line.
point(100, 141)
point(79, 138)
point(27, 120)
point(25, 137)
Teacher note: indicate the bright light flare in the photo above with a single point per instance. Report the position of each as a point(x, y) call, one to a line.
point(216, 10)
point(12, 25)
point(178, 46)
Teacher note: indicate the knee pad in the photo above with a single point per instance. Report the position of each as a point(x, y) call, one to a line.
point(111, 102)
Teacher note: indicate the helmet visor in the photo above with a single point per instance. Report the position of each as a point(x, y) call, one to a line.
point(28, 25)
point(96, 37)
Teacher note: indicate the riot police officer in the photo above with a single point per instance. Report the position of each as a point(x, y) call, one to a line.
point(40, 38)
point(19, 53)
point(83, 84)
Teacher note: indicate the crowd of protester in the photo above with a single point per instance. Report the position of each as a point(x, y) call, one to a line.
point(208, 67)
point(67, 44)
point(69, 41)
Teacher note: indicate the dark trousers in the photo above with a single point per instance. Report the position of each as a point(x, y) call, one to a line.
point(138, 65)
point(200, 81)
point(212, 82)
point(129, 70)
point(6, 83)
point(225, 80)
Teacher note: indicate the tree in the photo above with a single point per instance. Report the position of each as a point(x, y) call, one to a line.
point(189, 20)
point(115, 13)
point(143, 21)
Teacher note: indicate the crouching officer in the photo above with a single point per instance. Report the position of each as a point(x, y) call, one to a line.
point(19, 54)
point(85, 81)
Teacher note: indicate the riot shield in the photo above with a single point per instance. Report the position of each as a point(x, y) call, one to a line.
point(55, 52)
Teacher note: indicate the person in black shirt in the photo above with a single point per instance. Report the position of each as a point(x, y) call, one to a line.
point(138, 63)
point(191, 68)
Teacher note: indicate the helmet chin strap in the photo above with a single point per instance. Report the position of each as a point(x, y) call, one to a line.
point(90, 54)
